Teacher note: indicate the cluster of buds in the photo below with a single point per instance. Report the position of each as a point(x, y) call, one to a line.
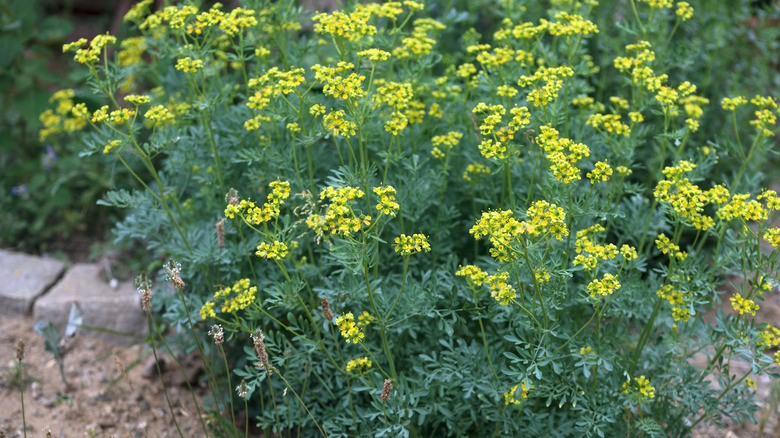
point(386, 388)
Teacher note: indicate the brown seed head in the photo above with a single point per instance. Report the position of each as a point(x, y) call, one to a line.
point(217, 333)
point(122, 370)
point(386, 388)
point(259, 341)
point(173, 270)
point(20, 350)
point(146, 300)
point(221, 233)
point(326, 309)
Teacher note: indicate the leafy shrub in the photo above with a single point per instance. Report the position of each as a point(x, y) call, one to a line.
point(48, 192)
point(498, 222)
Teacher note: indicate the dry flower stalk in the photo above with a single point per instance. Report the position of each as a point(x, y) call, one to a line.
point(259, 340)
point(20, 350)
point(386, 388)
point(221, 233)
point(326, 312)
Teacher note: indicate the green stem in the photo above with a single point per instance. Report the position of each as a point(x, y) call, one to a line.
point(159, 373)
point(482, 330)
point(400, 291)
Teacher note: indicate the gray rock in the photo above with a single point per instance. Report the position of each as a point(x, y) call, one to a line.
point(101, 306)
point(23, 278)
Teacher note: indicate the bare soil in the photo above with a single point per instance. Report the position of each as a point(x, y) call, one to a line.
point(97, 401)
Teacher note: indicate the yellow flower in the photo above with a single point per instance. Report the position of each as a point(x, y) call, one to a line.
point(406, 245)
point(348, 329)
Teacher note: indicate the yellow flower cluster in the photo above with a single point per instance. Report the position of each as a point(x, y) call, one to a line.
point(742, 207)
point(764, 122)
point(731, 104)
point(57, 121)
point(604, 287)
point(609, 122)
point(237, 20)
point(387, 204)
point(686, 198)
point(138, 11)
point(569, 24)
point(280, 190)
point(473, 273)
point(667, 247)
point(406, 245)
point(474, 169)
point(188, 65)
point(684, 11)
point(348, 329)
point(398, 121)
point(121, 116)
point(562, 153)
point(137, 100)
point(589, 252)
point(361, 365)
point(769, 338)
point(274, 251)
point(112, 145)
point(679, 301)
point(158, 116)
point(335, 122)
point(500, 290)
point(374, 55)
point(338, 86)
point(659, 4)
point(353, 26)
point(646, 391)
point(339, 218)
point(447, 141)
point(419, 43)
point(544, 217)
point(509, 396)
point(234, 298)
point(365, 319)
point(772, 237)
point(553, 82)
point(91, 54)
point(132, 49)
point(396, 95)
point(743, 305)
point(601, 172)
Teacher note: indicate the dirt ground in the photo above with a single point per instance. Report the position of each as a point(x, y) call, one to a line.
point(97, 400)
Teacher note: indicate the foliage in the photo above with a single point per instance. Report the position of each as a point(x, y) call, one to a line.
point(508, 221)
point(48, 192)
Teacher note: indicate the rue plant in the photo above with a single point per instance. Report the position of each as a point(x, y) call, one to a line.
point(408, 219)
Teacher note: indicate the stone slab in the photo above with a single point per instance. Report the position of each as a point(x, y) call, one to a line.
point(23, 278)
point(117, 309)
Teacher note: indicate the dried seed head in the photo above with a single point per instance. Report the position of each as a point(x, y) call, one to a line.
point(259, 341)
point(217, 333)
point(221, 233)
point(48, 432)
point(144, 287)
point(19, 350)
point(146, 300)
point(122, 370)
point(173, 270)
point(386, 388)
point(232, 197)
point(326, 309)
point(242, 389)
